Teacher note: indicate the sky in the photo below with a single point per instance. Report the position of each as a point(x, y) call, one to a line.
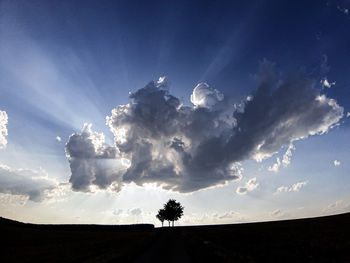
point(240, 111)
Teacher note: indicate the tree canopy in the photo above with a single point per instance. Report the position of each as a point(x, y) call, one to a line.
point(161, 215)
point(171, 212)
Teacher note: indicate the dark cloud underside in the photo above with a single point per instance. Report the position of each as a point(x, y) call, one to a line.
point(187, 148)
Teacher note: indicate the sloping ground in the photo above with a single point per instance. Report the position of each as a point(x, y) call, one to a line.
point(72, 243)
point(323, 239)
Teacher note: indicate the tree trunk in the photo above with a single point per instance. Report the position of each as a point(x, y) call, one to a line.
point(162, 223)
point(169, 223)
point(173, 223)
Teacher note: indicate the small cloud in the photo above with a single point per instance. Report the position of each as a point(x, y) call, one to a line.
point(3, 129)
point(348, 115)
point(276, 212)
point(293, 188)
point(227, 215)
point(282, 189)
point(343, 10)
point(296, 187)
point(117, 212)
point(205, 96)
point(326, 83)
point(163, 83)
point(161, 80)
point(287, 155)
point(210, 218)
point(58, 138)
point(241, 190)
point(136, 211)
point(275, 166)
point(336, 163)
point(285, 160)
point(248, 187)
point(339, 206)
point(279, 214)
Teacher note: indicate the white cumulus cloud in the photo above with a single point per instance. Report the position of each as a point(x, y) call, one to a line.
point(58, 138)
point(117, 212)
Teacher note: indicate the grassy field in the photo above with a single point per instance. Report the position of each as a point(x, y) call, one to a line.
point(323, 239)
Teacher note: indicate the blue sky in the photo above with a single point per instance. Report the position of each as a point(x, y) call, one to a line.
point(66, 63)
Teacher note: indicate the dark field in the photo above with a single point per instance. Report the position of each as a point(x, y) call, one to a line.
point(323, 239)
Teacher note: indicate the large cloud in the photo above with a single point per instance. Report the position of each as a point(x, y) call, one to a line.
point(32, 184)
point(187, 148)
point(3, 129)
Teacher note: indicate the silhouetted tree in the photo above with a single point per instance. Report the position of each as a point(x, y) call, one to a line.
point(161, 215)
point(173, 211)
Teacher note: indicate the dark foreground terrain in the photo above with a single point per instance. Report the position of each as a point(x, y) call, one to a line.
point(323, 239)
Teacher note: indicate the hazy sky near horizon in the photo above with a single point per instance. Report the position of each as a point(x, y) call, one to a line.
point(240, 111)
